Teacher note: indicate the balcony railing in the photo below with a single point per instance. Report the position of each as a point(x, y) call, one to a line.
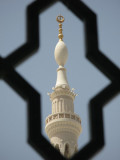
point(63, 115)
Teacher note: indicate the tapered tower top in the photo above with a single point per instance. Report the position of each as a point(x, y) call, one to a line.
point(61, 52)
point(61, 56)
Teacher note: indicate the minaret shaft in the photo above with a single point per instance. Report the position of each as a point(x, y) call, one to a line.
point(61, 77)
point(62, 104)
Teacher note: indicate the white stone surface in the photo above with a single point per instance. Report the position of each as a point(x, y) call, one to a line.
point(61, 77)
point(61, 53)
point(63, 126)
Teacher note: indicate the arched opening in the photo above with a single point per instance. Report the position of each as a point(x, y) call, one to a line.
point(66, 151)
point(57, 147)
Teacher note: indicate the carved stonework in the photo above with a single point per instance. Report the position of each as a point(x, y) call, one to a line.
point(57, 116)
point(62, 91)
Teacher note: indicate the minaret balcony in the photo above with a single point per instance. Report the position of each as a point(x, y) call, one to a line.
point(59, 116)
point(65, 122)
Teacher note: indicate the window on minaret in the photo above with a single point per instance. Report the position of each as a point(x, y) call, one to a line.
point(57, 147)
point(66, 153)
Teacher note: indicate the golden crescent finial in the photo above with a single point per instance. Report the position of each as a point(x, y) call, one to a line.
point(60, 19)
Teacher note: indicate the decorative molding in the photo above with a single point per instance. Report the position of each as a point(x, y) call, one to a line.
point(60, 91)
point(58, 116)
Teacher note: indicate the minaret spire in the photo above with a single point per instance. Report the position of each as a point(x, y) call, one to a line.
point(61, 56)
point(63, 126)
point(60, 19)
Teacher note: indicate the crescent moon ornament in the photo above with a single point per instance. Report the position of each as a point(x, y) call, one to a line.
point(60, 19)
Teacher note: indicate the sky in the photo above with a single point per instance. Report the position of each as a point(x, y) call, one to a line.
point(40, 71)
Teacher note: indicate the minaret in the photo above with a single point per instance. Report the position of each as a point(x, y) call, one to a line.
point(63, 126)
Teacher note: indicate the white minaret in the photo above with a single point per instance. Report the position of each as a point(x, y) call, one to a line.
point(63, 126)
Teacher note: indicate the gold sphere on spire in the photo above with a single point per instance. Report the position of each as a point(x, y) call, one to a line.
point(60, 19)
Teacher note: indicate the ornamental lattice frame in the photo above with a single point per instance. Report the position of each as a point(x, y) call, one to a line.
point(93, 54)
